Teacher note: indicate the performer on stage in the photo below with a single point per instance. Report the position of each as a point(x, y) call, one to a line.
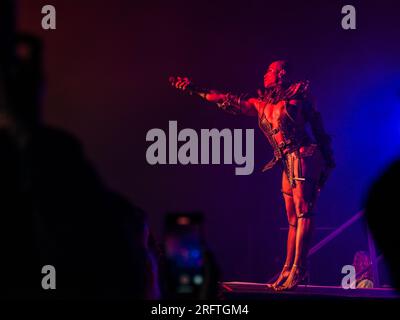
point(284, 108)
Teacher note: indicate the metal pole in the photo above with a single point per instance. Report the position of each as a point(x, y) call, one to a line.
point(335, 233)
point(374, 260)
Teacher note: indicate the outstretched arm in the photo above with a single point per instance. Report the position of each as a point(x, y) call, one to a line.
point(236, 104)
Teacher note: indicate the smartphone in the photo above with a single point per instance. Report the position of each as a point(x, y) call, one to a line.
point(184, 248)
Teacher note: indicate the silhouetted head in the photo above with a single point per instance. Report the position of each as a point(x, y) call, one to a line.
point(276, 73)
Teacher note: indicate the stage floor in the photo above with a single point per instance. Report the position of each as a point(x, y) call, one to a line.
point(250, 290)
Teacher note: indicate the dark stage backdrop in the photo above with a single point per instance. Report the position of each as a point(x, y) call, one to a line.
point(107, 66)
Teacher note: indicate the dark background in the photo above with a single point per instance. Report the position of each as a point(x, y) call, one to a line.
point(107, 66)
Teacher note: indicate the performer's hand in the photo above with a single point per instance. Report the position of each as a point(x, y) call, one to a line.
point(181, 83)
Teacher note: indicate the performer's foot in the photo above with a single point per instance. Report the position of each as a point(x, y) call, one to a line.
point(296, 276)
point(281, 279)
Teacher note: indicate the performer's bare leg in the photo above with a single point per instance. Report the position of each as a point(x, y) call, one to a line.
point(291, 238)
point(305, 228)
point(304, 197)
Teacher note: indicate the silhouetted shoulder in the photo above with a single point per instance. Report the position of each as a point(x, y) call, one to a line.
point(59, 156)
point(128, 213)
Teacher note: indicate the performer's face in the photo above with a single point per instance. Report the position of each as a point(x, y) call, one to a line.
point(274, 74)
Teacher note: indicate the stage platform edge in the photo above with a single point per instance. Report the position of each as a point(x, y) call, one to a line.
point(252, 290)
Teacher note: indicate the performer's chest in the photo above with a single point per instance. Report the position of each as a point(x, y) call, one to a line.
point(274, 112)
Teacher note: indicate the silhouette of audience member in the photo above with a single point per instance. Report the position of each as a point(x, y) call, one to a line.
point(54, 208)
point(383, 217)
